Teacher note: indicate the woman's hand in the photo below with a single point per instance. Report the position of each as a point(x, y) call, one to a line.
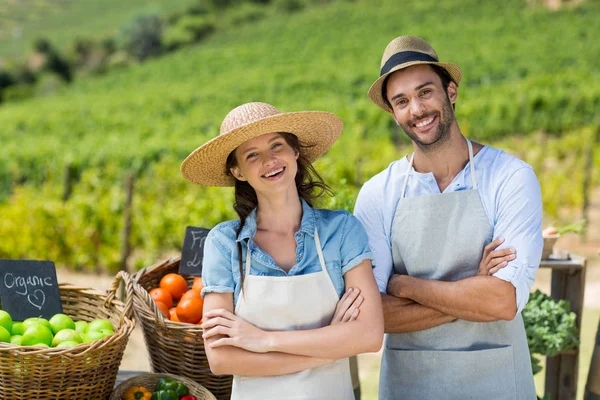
point(235, 330)
point(348, 308)
point(493, 259)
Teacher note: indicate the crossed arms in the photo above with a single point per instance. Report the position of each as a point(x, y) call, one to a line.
point(233, 346)
point(414, 304)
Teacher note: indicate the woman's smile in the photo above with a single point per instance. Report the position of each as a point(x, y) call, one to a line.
point(274, 174)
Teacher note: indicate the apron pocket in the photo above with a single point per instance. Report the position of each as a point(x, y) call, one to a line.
point(460, 375)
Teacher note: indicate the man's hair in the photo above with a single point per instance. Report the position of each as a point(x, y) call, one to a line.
point(441, 72)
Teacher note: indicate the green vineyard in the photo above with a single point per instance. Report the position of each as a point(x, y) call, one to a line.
point(530, 87)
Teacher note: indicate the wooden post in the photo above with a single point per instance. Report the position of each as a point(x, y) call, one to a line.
point(67, 181)
point(568, 282)
point(397, 133)
point(592, 388)
point(354, 376)
point(587, 180)
point(125, 243)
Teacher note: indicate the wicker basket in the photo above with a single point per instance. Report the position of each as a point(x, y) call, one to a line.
point(86, 371)
point(174, 347)
point(149, 382)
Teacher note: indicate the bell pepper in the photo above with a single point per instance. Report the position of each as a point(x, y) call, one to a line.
point(137, 393)
point(168, 384)
point(189, 397)
point(164, 395)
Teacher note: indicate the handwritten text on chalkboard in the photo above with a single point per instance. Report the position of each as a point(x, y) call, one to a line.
point(29, 288)
point(192, 252)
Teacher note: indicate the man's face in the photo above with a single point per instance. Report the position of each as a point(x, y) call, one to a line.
point(421, 106)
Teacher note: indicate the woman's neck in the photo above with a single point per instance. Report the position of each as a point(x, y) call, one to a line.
point(281, 214)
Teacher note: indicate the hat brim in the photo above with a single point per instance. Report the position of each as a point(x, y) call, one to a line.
point(376, 89)
point(317, 130)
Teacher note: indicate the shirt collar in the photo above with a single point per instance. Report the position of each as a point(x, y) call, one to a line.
point(307, 225)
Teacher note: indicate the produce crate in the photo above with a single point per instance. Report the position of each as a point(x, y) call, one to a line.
point(87, 371)
point(149, 382)
point(174, 347)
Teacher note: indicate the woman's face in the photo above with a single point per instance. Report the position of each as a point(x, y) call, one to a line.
point(268, 163)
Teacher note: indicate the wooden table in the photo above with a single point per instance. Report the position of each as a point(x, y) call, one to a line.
point(568, 282)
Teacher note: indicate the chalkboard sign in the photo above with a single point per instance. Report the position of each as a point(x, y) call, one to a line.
point(193, 251)
point(29, 288)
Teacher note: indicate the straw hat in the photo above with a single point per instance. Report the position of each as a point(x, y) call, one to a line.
point(403, 52)
point(316, 129)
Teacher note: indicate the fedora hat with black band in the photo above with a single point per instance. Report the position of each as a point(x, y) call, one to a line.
point(403, 52)
point(316, 131)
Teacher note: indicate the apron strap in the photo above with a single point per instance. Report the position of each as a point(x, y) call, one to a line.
point(247, 267)
point(248, 261)
point(410, 164)
point(472, 164)
point(319, 251)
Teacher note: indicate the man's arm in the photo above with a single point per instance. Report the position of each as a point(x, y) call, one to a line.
point(400, 315)
point(404, 315)
point(477, 299)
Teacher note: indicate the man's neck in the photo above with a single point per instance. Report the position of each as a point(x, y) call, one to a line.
point(446, 161)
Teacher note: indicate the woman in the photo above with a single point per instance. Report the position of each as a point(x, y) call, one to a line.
point(276, 316)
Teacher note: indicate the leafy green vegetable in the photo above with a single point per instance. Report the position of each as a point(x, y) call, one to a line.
point(550, 326)
point(576, 227)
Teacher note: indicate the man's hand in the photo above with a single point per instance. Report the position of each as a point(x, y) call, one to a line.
point(348, 307)
point(493, 259)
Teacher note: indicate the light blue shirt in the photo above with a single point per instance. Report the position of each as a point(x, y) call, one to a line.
point(511, 197)
point(344, 241)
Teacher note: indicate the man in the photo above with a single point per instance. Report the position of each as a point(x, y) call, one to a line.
point(454, 329)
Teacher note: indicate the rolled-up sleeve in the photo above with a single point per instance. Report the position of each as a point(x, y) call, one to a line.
point(217, 273)
point(368, 210)
point(519, 222)
point(354, 248)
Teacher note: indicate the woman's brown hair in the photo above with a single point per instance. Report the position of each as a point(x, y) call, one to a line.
point(309, 183)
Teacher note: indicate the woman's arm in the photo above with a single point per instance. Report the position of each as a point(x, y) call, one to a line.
point(365, 334)
point(236, 361)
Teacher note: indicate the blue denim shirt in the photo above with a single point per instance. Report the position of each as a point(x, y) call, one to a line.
point(344, 241)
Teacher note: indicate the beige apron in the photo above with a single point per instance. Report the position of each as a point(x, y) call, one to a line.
point(442, 237)
point(276, 303)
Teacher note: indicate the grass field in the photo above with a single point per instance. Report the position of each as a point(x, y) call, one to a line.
point(148, 117)
point(61, 21)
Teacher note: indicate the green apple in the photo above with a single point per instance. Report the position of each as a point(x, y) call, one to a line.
point(18, 328)
point(41, 345)
point(34, 320)
point(67, 343)
point(58, 322)
point(99, 324)
point(92, 336)
point(81, 326)
point(66, 335)
point(4, 335)
point(6, 321)
point(107, 332)
point(16, 339)
point(35, 334)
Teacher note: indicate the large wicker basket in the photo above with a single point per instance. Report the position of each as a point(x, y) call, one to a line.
point(174, 347)
point(86, 371)
point(149, 382)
